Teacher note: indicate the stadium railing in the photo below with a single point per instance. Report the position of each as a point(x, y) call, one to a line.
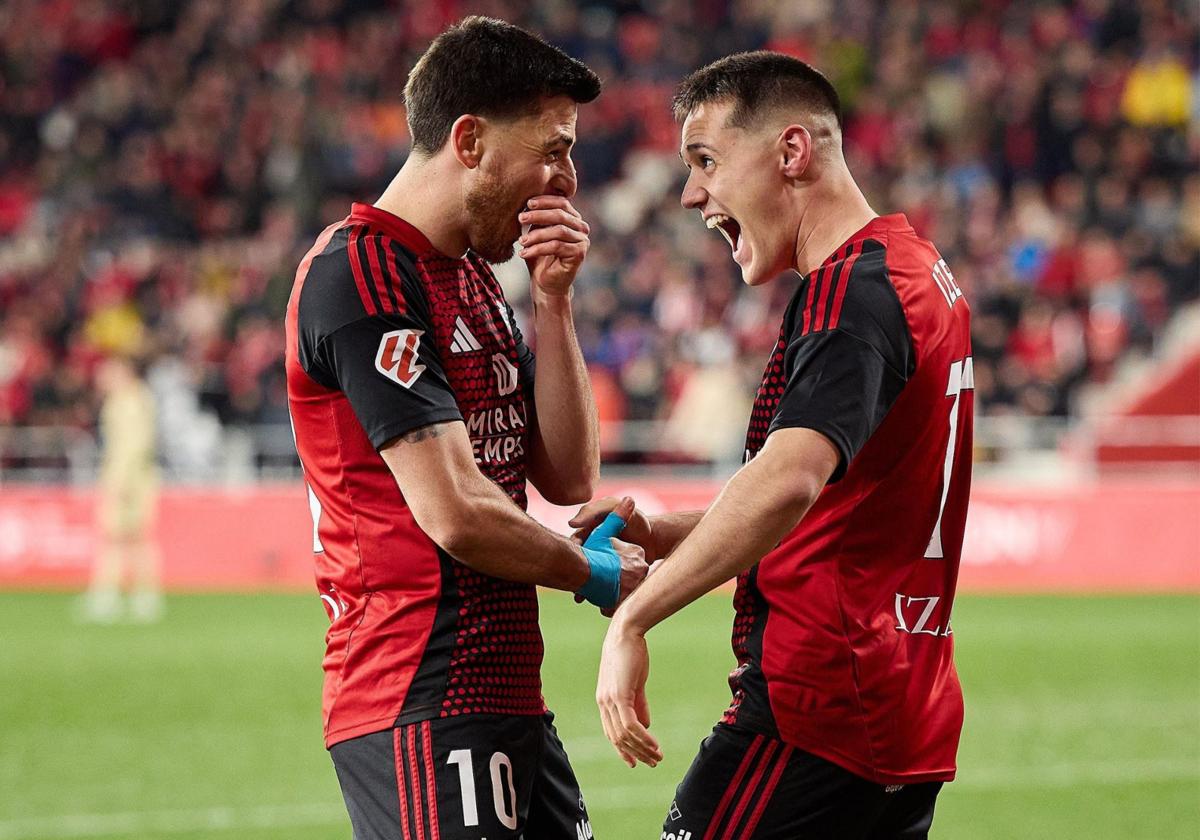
point(1032, 448)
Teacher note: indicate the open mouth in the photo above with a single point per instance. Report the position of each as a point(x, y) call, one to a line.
point(728, 227)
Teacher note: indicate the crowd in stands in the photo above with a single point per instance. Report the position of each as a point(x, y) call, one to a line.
point(163, 167)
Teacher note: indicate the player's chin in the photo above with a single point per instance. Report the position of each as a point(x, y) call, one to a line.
point(753, 279)
point(752, 273)
point(496, 252)
point(757, 271)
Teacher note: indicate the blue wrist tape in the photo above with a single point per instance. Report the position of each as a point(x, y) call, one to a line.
point(603, 587)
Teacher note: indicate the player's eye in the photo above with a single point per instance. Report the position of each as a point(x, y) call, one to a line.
point(706, 161)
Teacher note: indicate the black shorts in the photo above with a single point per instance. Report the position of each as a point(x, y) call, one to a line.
point(744, 785)
point(472, 776)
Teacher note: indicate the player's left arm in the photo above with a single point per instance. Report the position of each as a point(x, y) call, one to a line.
point(564, 459)
point(843, 380)
point(756, 509)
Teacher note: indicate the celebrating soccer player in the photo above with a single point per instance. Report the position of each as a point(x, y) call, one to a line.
point(418, 418)
point(845, 525)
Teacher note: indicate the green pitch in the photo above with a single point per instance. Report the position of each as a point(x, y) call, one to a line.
point(1083, 719)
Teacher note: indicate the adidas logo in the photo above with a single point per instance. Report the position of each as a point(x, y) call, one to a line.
point(463, 341)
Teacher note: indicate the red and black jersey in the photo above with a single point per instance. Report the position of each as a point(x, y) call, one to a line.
point(842, 632)
point(385, 335)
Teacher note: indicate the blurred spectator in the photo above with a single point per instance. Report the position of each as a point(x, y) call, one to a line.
point(163, 166)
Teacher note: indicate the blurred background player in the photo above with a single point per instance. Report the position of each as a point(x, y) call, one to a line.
point(418, 417)
point(127, 498)
point(845, 526)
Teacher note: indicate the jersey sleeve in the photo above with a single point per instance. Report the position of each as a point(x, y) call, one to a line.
point(387, 367)
point(365, 330)
point(844, 379)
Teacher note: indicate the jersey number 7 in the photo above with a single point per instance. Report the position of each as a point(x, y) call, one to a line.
point(962, 378)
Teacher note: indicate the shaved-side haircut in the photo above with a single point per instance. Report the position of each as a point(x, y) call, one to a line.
point(758, 83)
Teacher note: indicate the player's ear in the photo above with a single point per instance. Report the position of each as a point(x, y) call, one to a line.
point(466, 140)
point(796, 146)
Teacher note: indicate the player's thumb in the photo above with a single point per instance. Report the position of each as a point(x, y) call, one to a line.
point(614, 523)
point(624, 508)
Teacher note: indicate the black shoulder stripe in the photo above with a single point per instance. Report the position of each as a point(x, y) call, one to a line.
point(384, 270)
point(845, 275)
point(827, 290)
point(402, 264)
point(833, 290)
point(365, 280)
point(340, 288)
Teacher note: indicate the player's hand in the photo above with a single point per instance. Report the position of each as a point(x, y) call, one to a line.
point(634, 563)
point(638, 528)
point(633, 570)
point(621, 696)
point(631, 567)
point(555, 243)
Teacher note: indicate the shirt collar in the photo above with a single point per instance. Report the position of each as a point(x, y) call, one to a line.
point(897, 222)
point(878, 226)
point(393, 226)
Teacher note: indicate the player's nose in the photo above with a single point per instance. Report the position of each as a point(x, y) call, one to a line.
point(565, 181)
point(694, 196)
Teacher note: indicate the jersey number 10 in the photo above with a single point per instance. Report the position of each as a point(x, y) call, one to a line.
point(504, 793)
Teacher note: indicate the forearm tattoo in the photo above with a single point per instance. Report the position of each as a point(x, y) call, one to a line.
point(423, 433)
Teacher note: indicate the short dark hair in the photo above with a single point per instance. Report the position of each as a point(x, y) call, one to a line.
point(756, 82)
point(491, 68)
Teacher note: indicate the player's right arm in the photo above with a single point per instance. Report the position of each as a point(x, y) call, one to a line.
point(384, 360)
point(477, 524)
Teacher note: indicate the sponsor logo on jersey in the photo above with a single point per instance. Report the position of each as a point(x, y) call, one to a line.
point(397, 356)
point(506, 374)
point(497, 434)
point(674, 813)
point(683, 834)
point(464, 341)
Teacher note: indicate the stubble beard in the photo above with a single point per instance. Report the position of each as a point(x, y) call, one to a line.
point(491, 209)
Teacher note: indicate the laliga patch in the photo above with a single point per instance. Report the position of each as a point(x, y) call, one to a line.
point(397, 356)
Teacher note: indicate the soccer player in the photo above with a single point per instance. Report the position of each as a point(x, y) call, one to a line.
point(845, 525)
point(418, 418)
point(127, 497)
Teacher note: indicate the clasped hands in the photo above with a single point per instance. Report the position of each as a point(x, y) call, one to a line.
point(618, 565)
